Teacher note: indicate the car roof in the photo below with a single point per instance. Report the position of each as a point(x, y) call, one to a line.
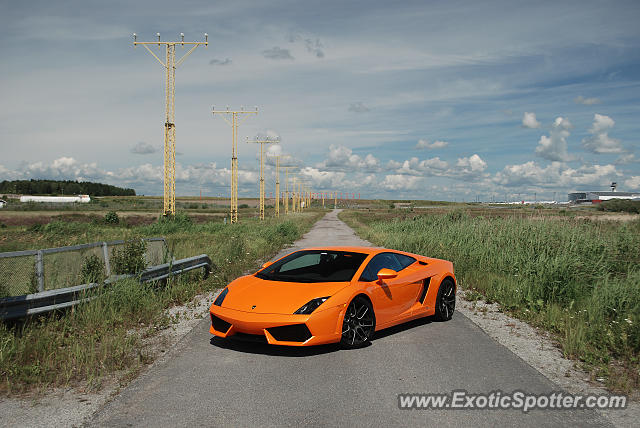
point(353, 249)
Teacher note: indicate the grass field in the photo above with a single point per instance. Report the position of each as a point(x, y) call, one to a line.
point(105, 336)
point(578, 278)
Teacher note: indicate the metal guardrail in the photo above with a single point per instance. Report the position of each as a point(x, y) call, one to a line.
point(36, 271)
point(37, 303)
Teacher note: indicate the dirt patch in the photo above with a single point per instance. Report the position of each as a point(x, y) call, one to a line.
point(29, 220)
point(612, 217)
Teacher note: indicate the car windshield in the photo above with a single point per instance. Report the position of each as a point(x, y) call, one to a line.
point(314, 266)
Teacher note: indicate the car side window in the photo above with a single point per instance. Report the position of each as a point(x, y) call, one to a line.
point(405, 261)
point(380, 261)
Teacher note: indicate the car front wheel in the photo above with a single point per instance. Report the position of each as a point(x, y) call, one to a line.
point(359, 323)
point(446, 300)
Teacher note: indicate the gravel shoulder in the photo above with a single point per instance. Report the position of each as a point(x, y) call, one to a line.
point(537, 349)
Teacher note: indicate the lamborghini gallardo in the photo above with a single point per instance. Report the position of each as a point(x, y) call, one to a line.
point(335, 294)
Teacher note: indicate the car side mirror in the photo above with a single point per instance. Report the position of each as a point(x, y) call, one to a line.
point(267, 264)
point(385, 274)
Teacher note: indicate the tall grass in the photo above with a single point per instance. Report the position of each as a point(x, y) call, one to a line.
point(578, 278)
point(104, 336)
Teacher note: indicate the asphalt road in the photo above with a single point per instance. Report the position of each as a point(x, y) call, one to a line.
point(208, 381)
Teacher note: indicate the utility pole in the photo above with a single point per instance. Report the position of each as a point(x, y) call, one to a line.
point(278, 183)
point(286, 185)
point(170, 65)
point(335, 200)
point(234, 122)
point(262, 143)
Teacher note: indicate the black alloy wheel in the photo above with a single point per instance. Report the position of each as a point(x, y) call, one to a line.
point(359, 323)
point(446, 300)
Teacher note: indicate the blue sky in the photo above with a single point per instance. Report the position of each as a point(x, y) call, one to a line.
point(437, 100)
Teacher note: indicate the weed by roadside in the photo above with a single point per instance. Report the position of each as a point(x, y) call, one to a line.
point(576, 278)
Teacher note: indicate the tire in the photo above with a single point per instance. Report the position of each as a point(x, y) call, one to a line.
point(359, 323)
point(446, 300)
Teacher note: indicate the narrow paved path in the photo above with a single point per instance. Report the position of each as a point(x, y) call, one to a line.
point(213, 382)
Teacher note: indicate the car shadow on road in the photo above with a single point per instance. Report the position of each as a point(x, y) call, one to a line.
point(251, 347)
point(402, 327)
point(273, 350)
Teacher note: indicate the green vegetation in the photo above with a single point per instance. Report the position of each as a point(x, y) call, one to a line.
point(620, 205)
point(111, 218)
point(580, 279)
point(130, 258)
point(108, 334)
point(65, 187)
point(92, 270)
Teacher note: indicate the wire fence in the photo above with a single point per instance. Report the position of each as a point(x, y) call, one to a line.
point(33, 271)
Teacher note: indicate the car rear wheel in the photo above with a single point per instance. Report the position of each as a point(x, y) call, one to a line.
point(446, 300)
point(359, 323)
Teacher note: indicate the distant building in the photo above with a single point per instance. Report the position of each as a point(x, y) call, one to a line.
point(596, 197)
point(2, 203)
point(56, 199)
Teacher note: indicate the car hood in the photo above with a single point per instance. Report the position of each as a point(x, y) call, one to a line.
point(260, 296)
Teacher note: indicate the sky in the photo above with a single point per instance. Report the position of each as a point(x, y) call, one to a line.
point(441, 100)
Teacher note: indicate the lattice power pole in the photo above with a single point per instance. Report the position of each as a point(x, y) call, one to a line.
point(170, 65)
point(286, 185)
point(262, 143)
point(278, 183)
point(234, 122)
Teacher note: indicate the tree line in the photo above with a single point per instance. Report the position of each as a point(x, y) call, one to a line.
point(62, 187)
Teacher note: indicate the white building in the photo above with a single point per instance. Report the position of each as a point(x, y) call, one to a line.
point(2, 203)
point(56, 199)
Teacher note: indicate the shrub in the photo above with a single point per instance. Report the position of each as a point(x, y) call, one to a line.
point(243, 206)
point(111, 218)
point(181, 222)
point(130, 258)
point(620, 205)
point(92, 269)
point(36, 227)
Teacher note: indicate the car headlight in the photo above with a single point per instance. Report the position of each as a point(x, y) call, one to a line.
point(220, 298)
point(311, 306)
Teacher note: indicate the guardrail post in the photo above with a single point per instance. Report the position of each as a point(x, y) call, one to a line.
point(40, 270)
point(107, 264)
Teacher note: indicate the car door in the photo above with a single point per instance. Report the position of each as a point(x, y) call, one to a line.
point(391, 297)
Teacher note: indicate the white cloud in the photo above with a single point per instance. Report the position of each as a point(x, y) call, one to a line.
point(400, 182)
point(473, 165)
point(341, 157)
point(222, 62)
point(424, 144)
point(143, 178)
point(600, 142)
point(626, 159)
point(143, 148)
point(314, 47)
point(414, 166)
point(358, 107)
point(326, 179)
point(633, 183)
point(277, 53)
point(586, 101)
point(555, 175)
point(529, 121)
point(554, 147)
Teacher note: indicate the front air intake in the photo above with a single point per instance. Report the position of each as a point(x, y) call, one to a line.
point(219, 324)
point(290, 333)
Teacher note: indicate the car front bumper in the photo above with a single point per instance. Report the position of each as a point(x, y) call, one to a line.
point(318, 328)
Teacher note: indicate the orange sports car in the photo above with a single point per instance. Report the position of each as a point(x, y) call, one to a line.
point(334, 294)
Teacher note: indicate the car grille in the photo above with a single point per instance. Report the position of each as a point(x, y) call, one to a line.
point(219, 324)
point(255, 338)
point(290, 333)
